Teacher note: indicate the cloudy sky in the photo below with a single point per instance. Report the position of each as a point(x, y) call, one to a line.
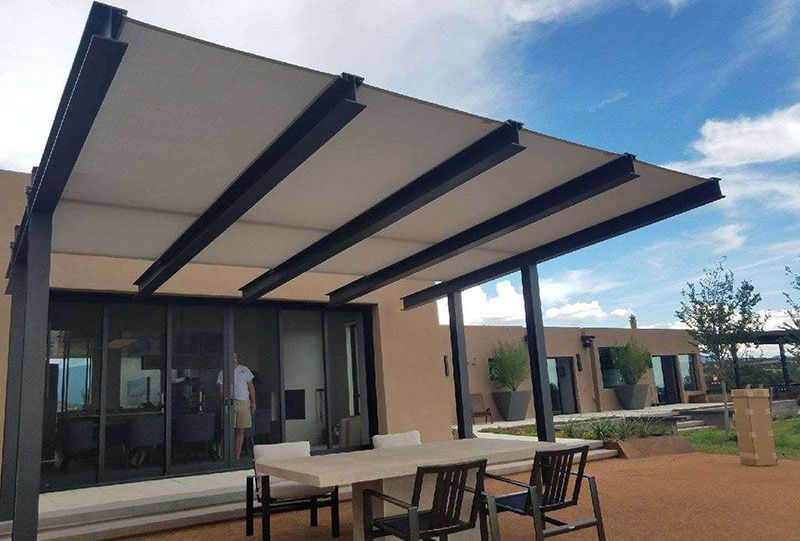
point(710, 87)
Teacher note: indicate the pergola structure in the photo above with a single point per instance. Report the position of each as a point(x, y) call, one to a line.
point(175, 150)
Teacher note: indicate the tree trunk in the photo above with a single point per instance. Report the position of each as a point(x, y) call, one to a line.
point(736, 372)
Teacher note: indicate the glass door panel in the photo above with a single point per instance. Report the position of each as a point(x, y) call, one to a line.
point(196, 376)
point(135, 433)
point(304, 378)
point(256, 345)
point(555, 391)
point(70, 429)
point(347, 392)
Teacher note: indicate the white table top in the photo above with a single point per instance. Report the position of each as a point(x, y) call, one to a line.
point(363, 466)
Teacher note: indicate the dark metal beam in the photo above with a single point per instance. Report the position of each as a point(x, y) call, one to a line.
point(331, 111)
point(96, 62)
point(485, 153)
point(534, 333)
point(697, 196)
point(13, 393)
point(458, 346)
point(598, 180)
point(34, 355)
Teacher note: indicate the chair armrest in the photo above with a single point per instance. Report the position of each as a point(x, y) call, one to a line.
point(507, 480)
point(394, 501)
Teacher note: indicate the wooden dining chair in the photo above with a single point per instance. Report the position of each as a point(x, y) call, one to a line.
point(448, 513)
point(555, 484)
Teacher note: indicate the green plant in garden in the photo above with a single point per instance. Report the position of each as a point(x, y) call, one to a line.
point(632, 361)
point(570, 430)
point(602, 429)
point(509, 364)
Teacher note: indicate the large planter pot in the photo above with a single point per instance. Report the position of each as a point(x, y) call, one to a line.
point(632, 397)
point(512, 405)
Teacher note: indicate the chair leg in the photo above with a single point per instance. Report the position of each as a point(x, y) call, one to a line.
point(598, 515)
point(538, 521)
point(248, 528)
point(265, 498)
point(494, 522)
point(335, 512)
point(314, 517)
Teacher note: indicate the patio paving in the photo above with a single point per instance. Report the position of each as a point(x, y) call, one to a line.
point(693, 496)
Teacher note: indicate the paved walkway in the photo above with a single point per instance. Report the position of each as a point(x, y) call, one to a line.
point(651, 411)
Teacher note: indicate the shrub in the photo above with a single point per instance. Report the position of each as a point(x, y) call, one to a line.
point(570, 430)
point(602, 429)
point(632, 361)
point(509, 364)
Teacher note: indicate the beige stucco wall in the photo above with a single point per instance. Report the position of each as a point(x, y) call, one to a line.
point(566, 342)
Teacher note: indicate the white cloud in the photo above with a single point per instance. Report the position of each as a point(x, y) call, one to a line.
point(725, 238)
point(585, 311)
point(750, 140)
point(504, 308)
point(616, 97)
point(739, 150)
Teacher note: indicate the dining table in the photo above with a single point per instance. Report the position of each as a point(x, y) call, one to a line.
point(392, 470)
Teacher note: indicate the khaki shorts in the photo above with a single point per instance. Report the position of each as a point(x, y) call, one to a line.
point(243, 417)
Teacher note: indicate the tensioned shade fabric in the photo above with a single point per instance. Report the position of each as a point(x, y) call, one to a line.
point(183, 118)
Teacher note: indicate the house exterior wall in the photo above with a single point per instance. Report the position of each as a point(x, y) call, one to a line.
point(413, 391)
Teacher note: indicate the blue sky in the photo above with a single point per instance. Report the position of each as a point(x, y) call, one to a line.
point(711, 87)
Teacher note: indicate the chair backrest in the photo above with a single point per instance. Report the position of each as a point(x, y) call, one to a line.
point(476, 401)
point(194, 427)
point(280, 451)
point(551, 474)
point(450, 493)
point(383, 441)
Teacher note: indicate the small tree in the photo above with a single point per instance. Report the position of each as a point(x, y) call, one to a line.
point(794, 311)
point(509, 364)
point(721, 316)
point(632, 361)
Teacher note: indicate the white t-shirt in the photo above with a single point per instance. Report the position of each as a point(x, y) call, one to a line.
point(241, 377)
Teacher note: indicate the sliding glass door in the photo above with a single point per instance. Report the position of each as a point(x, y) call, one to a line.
point(140, 390)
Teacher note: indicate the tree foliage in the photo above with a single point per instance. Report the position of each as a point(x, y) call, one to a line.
point(632, 361)
point(509, 364)
point(721, 316)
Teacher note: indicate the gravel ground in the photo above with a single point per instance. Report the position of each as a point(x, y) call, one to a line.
point(694, 496)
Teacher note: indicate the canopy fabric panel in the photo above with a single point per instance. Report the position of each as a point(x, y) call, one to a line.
point(183, 118)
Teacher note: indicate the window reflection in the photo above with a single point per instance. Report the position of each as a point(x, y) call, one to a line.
point(134, 397)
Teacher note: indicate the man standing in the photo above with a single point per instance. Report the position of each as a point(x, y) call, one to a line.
point(244, 396)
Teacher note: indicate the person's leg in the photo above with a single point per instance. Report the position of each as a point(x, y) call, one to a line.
point(237, 450)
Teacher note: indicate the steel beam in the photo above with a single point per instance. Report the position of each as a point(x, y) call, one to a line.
point(328, 114)
point(13, 393)
point(485, 153)
point(34, 358)
point(579, 189)
point(96, 62)
point(697, 196)
point(460, 369)
point(534, 333)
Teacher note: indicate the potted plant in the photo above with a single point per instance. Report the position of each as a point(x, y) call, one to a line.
point(632, 361)
point(509, 366)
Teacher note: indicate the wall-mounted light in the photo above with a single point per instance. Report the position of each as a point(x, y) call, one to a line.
point(587, 341)
point(578, 362)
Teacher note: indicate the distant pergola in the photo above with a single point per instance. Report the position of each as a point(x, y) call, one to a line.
point(779, 338)
point(174, 150)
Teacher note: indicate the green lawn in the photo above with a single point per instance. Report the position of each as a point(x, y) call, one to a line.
point(787, 440)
